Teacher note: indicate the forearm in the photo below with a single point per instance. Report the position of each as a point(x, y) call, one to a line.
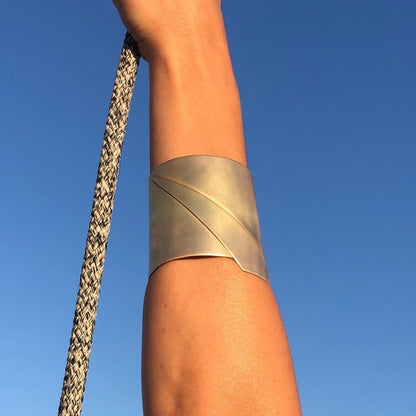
point(194, 101)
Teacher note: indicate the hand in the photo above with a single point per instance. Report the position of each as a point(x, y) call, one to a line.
point(161, 27)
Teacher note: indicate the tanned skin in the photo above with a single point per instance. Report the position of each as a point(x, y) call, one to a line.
point(213, 338)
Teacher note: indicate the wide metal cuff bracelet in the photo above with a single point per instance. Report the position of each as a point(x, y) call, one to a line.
point(204, 206)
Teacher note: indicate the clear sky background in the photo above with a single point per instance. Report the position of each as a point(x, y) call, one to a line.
point(328, 93)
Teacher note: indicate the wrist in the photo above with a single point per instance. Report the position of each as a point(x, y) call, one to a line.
point(193, 36)
point(199, 61)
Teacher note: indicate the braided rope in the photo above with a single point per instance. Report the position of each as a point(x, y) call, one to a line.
point(99, 228)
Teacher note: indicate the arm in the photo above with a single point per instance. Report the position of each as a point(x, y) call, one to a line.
point(213, 339)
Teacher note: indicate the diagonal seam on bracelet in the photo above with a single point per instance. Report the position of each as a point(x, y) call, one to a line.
point(218, 204)
point(192, 212)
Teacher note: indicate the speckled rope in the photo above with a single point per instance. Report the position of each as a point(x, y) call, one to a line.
point(99, 228)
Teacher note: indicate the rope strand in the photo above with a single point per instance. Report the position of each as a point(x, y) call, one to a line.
point(99, 228)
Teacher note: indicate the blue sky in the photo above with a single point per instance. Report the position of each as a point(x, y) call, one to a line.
point(328, 93)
